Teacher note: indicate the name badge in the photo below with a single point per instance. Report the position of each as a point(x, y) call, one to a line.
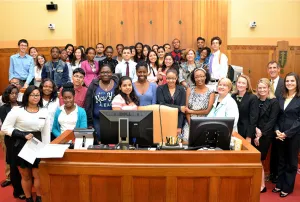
point(59, 71)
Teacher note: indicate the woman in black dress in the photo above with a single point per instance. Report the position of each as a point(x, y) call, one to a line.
point(267, 117)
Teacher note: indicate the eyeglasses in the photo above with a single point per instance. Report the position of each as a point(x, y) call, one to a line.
point(103, 73)
point(78, 77)
point(171, 79)
point(35, 95)
point(15, 83)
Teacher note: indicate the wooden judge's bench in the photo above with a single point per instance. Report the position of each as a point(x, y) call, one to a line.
point(151, 176)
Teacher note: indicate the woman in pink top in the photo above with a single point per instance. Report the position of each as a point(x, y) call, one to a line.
point(125, 97)
point(90, 66)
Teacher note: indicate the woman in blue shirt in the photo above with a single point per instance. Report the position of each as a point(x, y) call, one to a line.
point(145, 90)
point(99, 96)
point(69, 115)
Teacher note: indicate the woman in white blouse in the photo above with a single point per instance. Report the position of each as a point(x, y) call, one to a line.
point(50, 98)
point(22, 124)
point(41, 60)
point(224, 105)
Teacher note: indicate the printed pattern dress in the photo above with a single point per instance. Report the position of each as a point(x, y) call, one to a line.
point(197, 101)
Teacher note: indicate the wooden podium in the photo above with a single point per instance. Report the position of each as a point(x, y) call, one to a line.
point(151, 176)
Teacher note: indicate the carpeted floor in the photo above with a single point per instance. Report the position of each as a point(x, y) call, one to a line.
point(6, 193)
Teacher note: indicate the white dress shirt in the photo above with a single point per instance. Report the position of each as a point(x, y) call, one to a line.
point(20, 119)
point(219, 65)
point(226, 108)
point(67, 121)
point(121, 68)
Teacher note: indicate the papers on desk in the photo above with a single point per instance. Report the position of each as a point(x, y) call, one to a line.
point(36, 149)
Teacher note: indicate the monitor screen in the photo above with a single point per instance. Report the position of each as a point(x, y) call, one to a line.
point(211, 132)
point(140, 126)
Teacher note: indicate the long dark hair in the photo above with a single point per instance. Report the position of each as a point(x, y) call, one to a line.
point(53, 95)
point(174, 65)
point(285, 92)
point(132, 95)
point(148, 62)
point(37, 61)
point(27, 92)
point(136, 59)
point(74, 57)
point(7, 92)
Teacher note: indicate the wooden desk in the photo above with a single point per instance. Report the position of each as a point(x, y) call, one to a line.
point(152, 176)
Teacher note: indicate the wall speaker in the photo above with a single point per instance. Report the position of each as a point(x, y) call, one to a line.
point(51, 7)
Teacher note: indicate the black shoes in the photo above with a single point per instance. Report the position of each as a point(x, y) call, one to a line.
point(21, 196)
point(282, 195)
point(276, 190)
point(5, 183)
point(29, 199)
point(263, 190)
point(38, 199)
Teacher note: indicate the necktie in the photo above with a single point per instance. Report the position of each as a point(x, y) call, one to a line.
point(272, 86)
point(210, 63)
point(127, 69)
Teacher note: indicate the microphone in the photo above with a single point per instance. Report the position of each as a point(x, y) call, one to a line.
point(161, 132)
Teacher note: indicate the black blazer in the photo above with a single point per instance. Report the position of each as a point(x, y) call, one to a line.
point(267, 118)
point(164, 98)
point(289, 119)
point(248, 114)
point(279, 88)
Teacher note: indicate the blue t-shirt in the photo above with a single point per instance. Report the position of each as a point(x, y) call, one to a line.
point(149, 97)
point(102, 100)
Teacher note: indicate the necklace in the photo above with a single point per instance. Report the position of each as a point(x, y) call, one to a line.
point(105, 87)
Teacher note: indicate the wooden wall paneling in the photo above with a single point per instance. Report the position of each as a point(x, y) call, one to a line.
point(284, 46)
point(186, 28)
point(174, 28)
point(103, 186)
point(149, 189)
point(196, 23)
point(115, 29)
point(254, 63)
point(157, 17)
point(144, 27)
point(65, 183)
point(102, 24)
point(193, 189)
point(235, 188)
point(296, 62)
point(166, 22)
point(128, 26)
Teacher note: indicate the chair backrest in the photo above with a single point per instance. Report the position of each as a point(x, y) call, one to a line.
point(169, 119)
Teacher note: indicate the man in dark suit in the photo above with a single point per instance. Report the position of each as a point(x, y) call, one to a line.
point(278, 85)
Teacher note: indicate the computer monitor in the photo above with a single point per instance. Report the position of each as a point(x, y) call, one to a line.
point(211, 132)
point(140, 126)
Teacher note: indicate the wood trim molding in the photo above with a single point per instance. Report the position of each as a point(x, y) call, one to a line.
point(250, 47)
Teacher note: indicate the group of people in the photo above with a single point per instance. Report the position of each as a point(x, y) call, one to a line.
point(68, 91)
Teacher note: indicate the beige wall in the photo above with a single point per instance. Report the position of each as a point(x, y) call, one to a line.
point(29, 19)
point(276, 20)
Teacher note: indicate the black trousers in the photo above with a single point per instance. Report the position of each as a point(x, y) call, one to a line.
point(15, 178)
point(274, 158)
point(288, 163)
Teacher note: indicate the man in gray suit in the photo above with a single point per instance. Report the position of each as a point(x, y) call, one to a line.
point(276, 81)
point(278, 85)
